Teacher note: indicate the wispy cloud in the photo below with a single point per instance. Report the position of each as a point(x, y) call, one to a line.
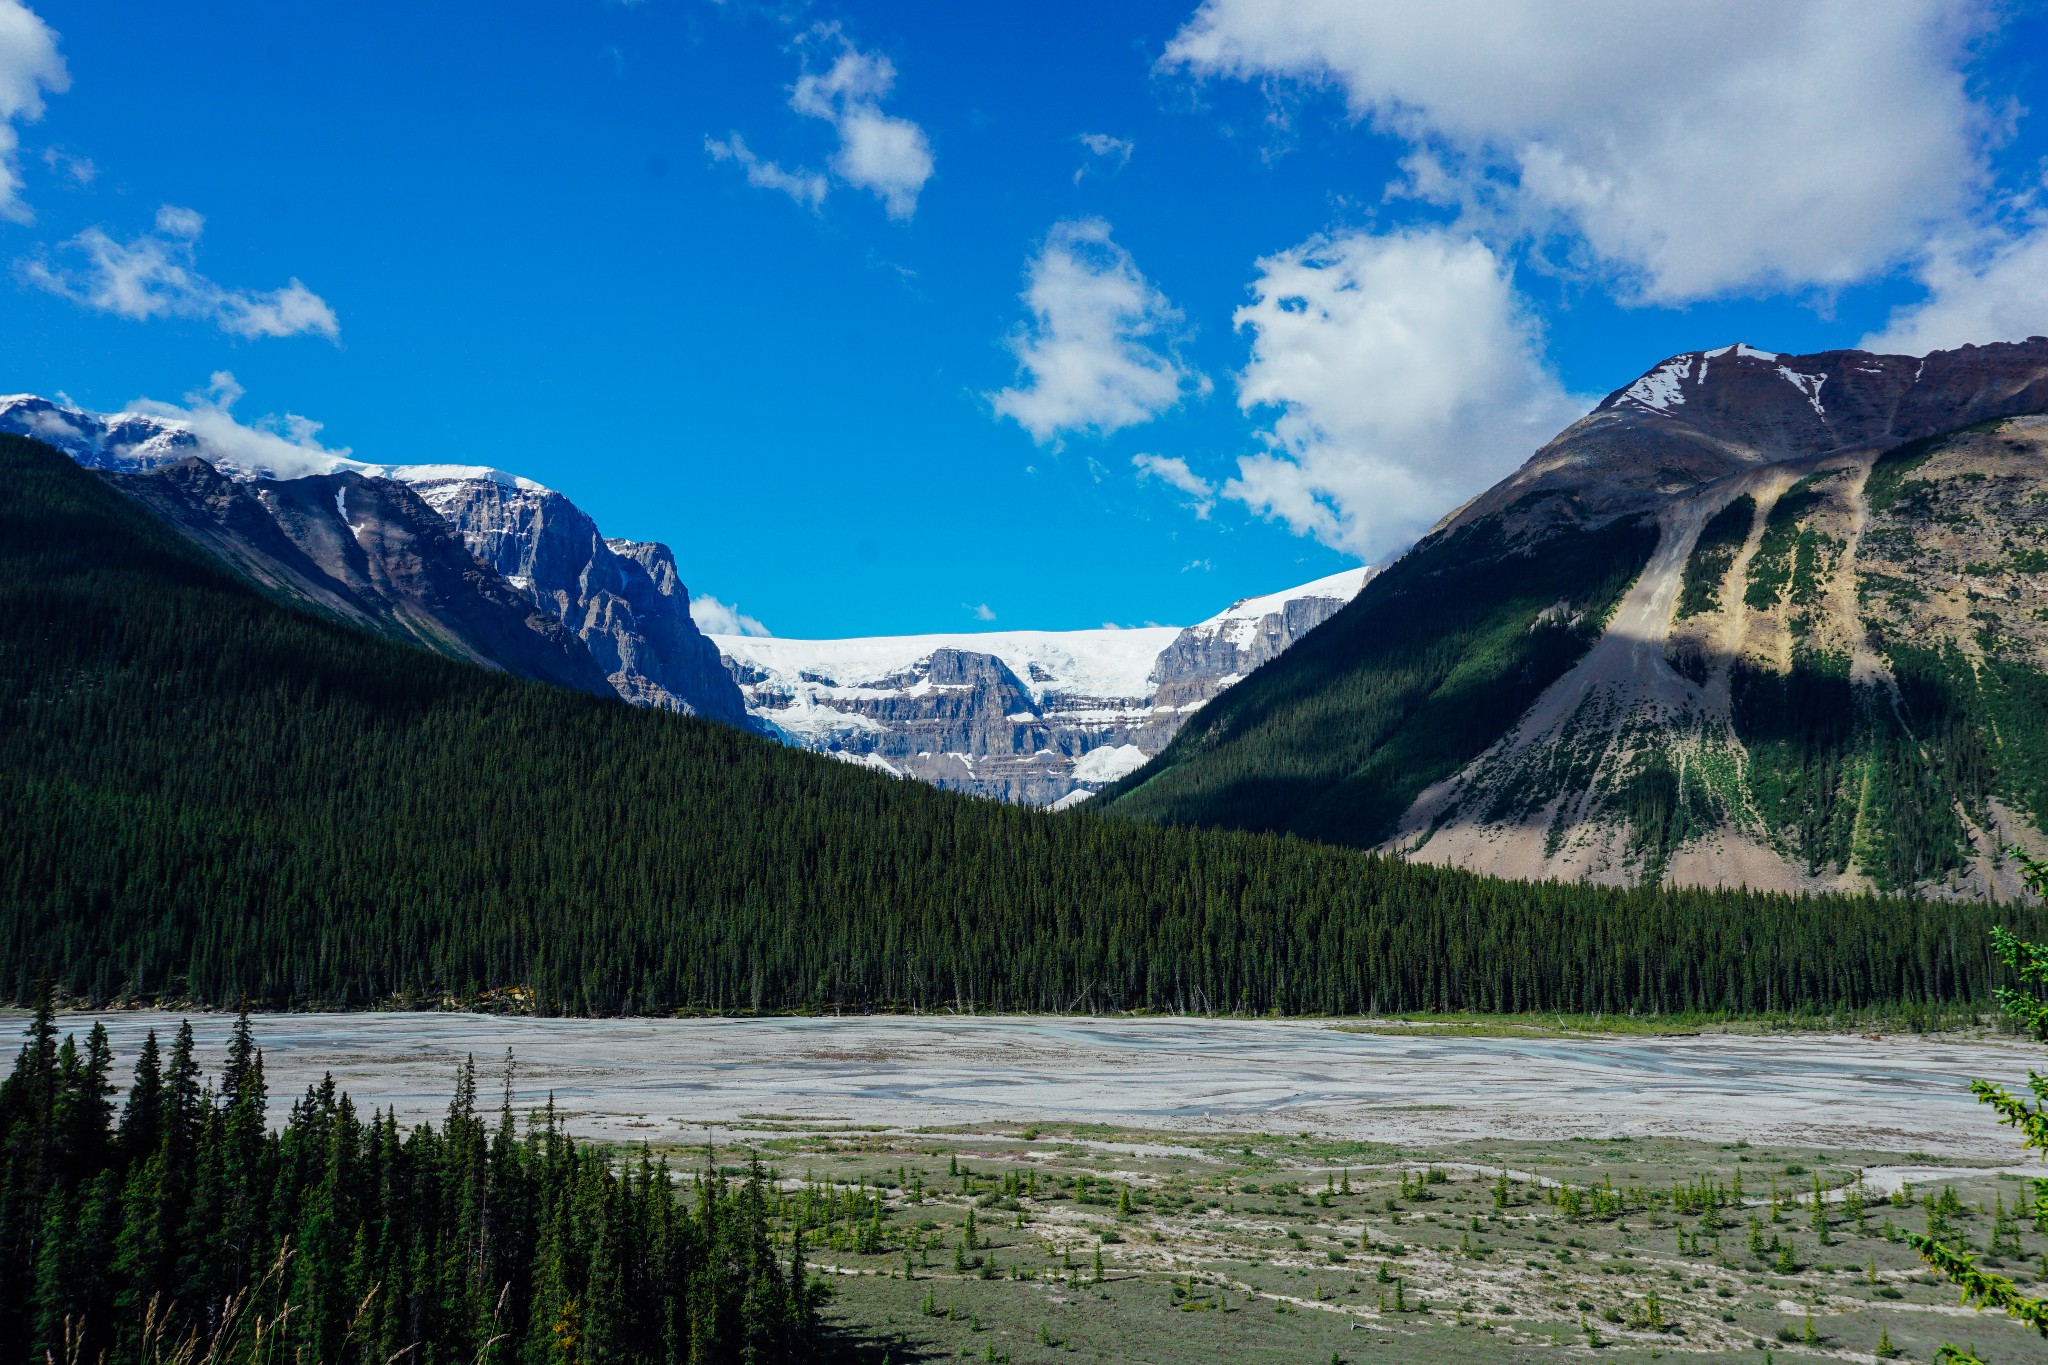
point(155, 274)
point(806, 187)
point(77, 170)
point(984, 612)
point(885, 154)
point(1108, 154)
point(286, 447)
point(714, 617)
point(30, 67)
point(1173, 471)
point(1097, 354)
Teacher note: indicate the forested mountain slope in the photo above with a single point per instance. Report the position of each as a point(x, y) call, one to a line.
point(1761, 620)
point(207, 796)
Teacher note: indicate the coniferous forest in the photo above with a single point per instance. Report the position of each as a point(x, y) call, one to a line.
point(177, 1226)
point(209, 797)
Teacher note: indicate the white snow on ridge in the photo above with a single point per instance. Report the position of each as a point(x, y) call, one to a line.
point(1808, 384)
point(1108, 763)
point(450, 473)
point(1089, 663)
point(1238, 621)
point(1659, 389)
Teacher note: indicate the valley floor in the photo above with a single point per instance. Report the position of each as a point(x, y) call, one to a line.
point(668, 1078)
point(1262, 1190)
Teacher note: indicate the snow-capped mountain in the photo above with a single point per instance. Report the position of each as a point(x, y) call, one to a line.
point(519, 548)
point(1046, 717)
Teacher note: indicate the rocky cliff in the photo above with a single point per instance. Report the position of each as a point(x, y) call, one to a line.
point(524, 552)
point(1045, 717)
point(623, 599)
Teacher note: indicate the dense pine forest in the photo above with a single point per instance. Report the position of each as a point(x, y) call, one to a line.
point(208, 797)
point(180, 1227)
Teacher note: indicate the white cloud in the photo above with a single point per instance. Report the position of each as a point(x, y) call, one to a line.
point(1111, 154)
point(1088, 358)
point(806, 187)
point(286, 447)
point(1407, 375)
point(984, 612)
point(78, 170)
point(155, 274)
point(714, 617)
point(1174, 472)
point(1696, 149)
point(888, 156)
point(30, 66)
point(1993, 289)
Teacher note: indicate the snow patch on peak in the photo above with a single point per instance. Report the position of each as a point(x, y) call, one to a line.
point(1341, 586)
point(875, 761)
point(455, 473)
point(1108, 763)
point(1808, 384)
point(1660, 390)
point(1743, 351)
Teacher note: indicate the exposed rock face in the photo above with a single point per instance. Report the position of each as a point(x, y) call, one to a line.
point(622, 600)
point(371, 553)
point(1044, 717)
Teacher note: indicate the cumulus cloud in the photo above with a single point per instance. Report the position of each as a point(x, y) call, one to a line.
point(1111, 154)
point(882, 153)
point(30, 67)
point(286, 447)
point(714, 617)
point(155, 274)
point(1090, 359)
point(1694, 150)
point(806, 187)
point(1994, 288)
point(1404, 374)
point(1173, 471)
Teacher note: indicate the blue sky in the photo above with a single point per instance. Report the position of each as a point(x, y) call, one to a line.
point(903, 317)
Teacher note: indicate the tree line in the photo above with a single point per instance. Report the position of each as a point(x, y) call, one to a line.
point(209, 797)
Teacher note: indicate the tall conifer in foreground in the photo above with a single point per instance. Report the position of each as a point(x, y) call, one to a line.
point(2027, 1005)
point(185, 1229)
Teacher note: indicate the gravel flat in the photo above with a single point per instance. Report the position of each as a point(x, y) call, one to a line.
point(671, 1078)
